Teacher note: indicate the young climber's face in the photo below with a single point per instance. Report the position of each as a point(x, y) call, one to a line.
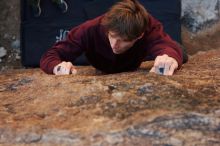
point(118, 44)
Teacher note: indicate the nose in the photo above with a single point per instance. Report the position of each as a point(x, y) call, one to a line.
point(114, 43)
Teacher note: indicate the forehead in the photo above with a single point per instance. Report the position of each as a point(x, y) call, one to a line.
point(116, 35)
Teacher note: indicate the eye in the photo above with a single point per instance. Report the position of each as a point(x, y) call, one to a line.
point(111, 36)
point(126, 40)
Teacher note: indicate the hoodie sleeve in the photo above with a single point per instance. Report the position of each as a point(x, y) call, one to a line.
point(159, 43)
point(67, 50)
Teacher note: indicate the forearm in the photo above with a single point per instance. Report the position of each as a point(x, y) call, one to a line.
point(160, 43)
point(170, 50)
point(48, 61)
point(61, 51)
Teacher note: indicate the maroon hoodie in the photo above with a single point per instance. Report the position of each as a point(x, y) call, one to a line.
point(90, 38)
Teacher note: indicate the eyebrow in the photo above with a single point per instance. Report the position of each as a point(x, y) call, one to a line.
point(112, 34)
point(115, 35)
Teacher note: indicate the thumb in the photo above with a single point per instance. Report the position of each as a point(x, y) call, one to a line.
point(153, 69)
point(73, 70)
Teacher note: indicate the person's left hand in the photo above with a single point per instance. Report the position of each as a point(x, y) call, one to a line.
point(164, 65)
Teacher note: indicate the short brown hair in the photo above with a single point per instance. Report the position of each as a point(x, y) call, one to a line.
point(127, 18)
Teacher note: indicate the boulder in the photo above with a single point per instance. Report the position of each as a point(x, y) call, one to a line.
point(130, 108)
point(3, 52)
point(198, 14)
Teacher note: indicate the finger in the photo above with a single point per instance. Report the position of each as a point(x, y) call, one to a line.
point(167, 66)
point(71, 68)
point(69, 65)
point(63, 63)
point(65, 70)
point(153, 69)
point(160, 64)
point(173, 67)
point(55, 70)
point(157, 61)
point(59, 70)
point(73, 71)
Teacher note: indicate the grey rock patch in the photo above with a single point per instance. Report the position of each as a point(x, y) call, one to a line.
point(60, 137)
point(198, 14)
point(146, 88)
point(16, 44)
point(3, 52)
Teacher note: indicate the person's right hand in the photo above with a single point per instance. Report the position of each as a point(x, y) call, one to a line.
point(64, 68)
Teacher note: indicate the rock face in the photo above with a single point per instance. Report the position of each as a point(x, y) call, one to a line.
point(201, 26)
point(197, 17)
point(10, 33)
point(134, 108)
point(199, 13)
point(201, 41)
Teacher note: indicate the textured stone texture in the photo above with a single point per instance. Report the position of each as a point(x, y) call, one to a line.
point(201, 26)
point(203, 40)
point(199, 13)
point(197, 17)
point(134, 108)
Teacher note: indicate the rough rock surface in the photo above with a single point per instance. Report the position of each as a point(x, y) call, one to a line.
point(201, 41)
point(200, 25)
point(199, 19)
point(198, 14)
point(10, 34)
point(134, 108)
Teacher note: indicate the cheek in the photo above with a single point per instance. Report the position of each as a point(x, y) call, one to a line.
point(112, 42)
point(127, 45)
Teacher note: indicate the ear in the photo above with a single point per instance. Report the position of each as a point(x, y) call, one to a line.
point(141, 36)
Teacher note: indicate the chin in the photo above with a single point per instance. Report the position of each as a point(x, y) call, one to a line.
point(115, 52)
